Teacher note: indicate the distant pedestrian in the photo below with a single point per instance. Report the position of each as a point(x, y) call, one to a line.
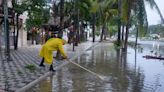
point(46, 52)
point(48, 35)
point(71, 33)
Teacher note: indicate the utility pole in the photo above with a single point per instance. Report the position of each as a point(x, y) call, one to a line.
point(6, 31)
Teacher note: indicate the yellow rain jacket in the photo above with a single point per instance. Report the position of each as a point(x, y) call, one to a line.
point(51, 45)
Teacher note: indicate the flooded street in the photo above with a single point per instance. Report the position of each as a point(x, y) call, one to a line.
point(121, 72)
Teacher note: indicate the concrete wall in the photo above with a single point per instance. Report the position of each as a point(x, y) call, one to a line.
point(22, 39)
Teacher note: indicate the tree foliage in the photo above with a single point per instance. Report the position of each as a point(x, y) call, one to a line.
point(156, 29)
point(38, 13)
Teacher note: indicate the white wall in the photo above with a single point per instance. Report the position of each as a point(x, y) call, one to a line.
point(22, 39)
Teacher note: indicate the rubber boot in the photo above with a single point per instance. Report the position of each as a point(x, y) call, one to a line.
point(42, 63)
point(51, 68)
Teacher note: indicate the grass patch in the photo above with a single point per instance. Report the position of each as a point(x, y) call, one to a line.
point(19, 72)
point(31, 67)
point(117, 45)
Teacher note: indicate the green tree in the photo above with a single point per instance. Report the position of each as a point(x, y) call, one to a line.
point(19, 9)
point(133, 8)
point(119, 22)
point(38, 13)
point(107, 11)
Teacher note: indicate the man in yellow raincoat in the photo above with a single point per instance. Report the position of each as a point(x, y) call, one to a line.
point(53, 44)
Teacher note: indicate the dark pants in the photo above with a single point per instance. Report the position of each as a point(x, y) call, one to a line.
point(42, 64)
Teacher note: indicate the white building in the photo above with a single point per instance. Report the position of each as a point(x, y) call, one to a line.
point(22, 39)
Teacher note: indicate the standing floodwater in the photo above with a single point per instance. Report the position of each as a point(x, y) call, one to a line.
point(124, 73)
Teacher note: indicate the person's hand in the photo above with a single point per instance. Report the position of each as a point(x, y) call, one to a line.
point(65, 57)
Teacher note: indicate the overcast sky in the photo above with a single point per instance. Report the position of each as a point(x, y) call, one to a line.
point(153, 17)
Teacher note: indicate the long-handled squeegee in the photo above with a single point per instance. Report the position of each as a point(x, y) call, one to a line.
point(97, 75)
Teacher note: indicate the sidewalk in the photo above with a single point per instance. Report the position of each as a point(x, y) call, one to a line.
point(23, 70)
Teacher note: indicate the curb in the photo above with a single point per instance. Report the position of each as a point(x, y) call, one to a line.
point(23, 89)
point(33, 83)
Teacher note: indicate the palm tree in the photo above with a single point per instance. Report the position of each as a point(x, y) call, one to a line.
point(119, 23)
point(153, 4)
point(93, 9)
point(87, 10)
point(129, 3)
point(108, 11)
point(137, 8)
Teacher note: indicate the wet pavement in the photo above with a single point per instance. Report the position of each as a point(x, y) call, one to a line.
point(23, 67)
point(122, 72)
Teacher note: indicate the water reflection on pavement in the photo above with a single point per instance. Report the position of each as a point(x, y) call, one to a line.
point(125, 73)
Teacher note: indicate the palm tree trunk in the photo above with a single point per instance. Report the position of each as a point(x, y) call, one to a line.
point(160, 14)
point(119, 34)
point(102, 32)
point(126, 37)
point(136, 38)
point(17, 33)
point(78, 27)
point(61, 18)
point(60, 33)
point(0, 39)
point(127, 25)
point(14, 37)
point(119, 23)
point(105, 33)
point(93, 27)
point(123, 36)
point(82, 36)
point(152, 4)
point(73, 47)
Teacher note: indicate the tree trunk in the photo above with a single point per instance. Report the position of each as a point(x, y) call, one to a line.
point(136, 38)
point(105, 34)
point(126, 37)
point(127, 26)
point(93, 27)
point(78, 27)
point(14, 37)
point(159, 12)
point(61, 18)
point(119, 33)
point(102, 33)
point(122, 37)
point(60, 33)
point(17, 33)
point(73, 47)
point(123, 34)
point(76, 33)
point(0, 39)
point(82, 36)
point(119, 23)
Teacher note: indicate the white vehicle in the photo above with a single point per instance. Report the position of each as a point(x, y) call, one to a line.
point(155, 36)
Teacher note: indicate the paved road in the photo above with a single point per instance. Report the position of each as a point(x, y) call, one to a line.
point(14, 74)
